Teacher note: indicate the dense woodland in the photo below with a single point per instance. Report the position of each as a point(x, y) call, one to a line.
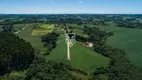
point(42, 70)
point(15, 53)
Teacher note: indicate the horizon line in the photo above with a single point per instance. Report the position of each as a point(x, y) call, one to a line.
point(69, 13)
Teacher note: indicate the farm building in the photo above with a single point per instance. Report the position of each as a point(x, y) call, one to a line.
point(88, 44)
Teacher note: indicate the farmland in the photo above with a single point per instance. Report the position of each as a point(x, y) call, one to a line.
point(39, 32)
point(26, 35)
point(82, 57)
point(88, 59)
point(107, 47)
point(18, 27)
point(128, 40)
point(42, 30)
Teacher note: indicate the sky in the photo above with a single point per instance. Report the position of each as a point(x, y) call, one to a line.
point(70, 6)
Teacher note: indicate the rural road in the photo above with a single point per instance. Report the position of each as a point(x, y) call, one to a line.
point(21, 29)
point(52, 28)
point(68, 50)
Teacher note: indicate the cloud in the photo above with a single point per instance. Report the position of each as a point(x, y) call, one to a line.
point(79, 2)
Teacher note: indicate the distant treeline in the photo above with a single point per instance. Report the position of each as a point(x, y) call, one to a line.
point(96, 19)
point(126, 24)
point(18, 21)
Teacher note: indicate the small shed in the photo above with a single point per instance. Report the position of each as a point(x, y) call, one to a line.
point(88, 44)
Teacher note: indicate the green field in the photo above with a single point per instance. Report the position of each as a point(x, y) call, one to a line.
point(18, 27)
point(128, 40)
point(79, 32)
point(43, 30)
point(26, 35)
point(44, 26)
point(39, 32)
point(82, 57)
point(47, 26)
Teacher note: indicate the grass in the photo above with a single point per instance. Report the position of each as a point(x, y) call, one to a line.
point(26, 35)
point(43, 30)
point(82, 57)
point(46, 26)
point(79, 32)
point(128, 40)
point(39, 32)
point(18, 27)
point(79, 75)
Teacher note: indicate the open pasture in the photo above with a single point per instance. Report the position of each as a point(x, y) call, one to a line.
point(83, 58)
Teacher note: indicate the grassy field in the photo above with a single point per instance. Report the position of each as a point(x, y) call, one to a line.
point(18, 27)
point(44, 26)
point(128, 40)
point(82, 57)
point(26, 35)
point(43, 30)
point(79, 32)
point(39, 32)
point(47, 26)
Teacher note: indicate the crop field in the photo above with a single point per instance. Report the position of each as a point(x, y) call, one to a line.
point(18, 27)
point(44, 26)
point(82, 57)
point(79, 32)
point(47, 26)
point(26, 35)
point(128, 40)
point(39, 32)
point(42, 30)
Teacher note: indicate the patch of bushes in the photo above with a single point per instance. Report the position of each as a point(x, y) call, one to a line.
point(49, 41)
point(42, 70)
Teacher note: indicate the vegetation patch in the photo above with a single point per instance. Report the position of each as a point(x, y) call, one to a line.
point(47, 26)
point(39, 32)
point(15, 53)
point(41, 70)
point(79, 32)
point(44, 26)
point(126, 39)
point(43, 30)
point(18, 27)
